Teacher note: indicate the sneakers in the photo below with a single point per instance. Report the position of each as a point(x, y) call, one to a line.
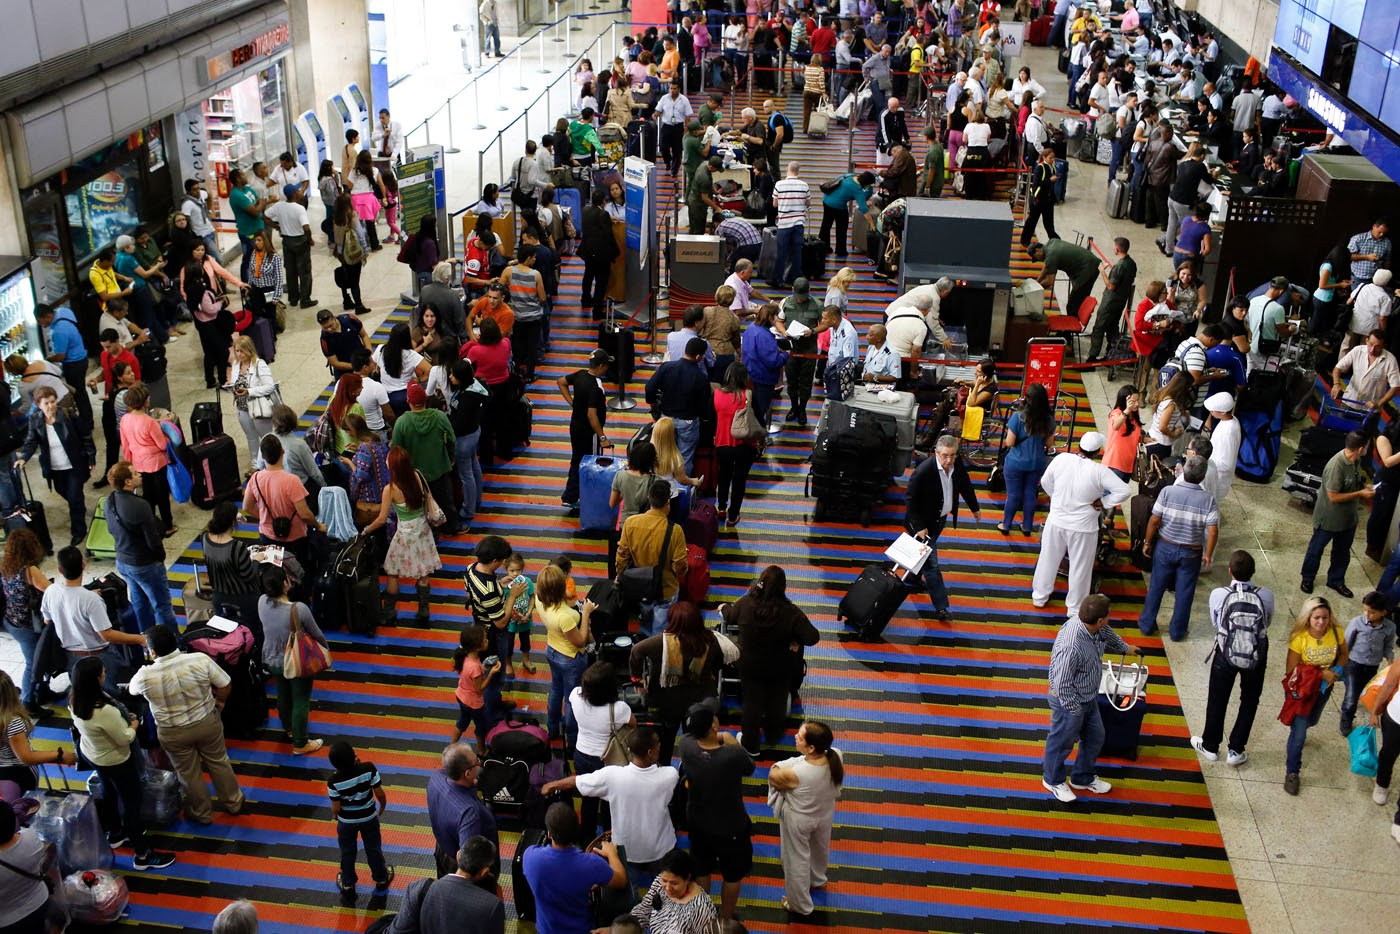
point(1199, 745)
point(311, 746)
point(1061, 791)
point(1290, 783)
point(1236, 759)
point(1098, 786)
point(1379, 795)
point(118, 840)
point(153, 860)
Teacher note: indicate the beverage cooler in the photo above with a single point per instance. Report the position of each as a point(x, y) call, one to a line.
point(19, 334)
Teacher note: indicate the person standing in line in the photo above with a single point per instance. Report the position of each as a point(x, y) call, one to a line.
point(527, 300)
point(681, 390)
point(1335, 515)
point(562, 876)
point(791, 196)
point(139, 547)
point(587, 400)
point(67, 349)
point(803, 791)
point(1241, 613)
point(62, 455)
point(185, 690)
point(427, 436)
point(26, 858)
point(247, 210)
point(1030, 438)
point(1370, 639)
point(735, 458)
point(1225, 439)
point(465, 901)
point(598, 248)
point(490, 28)
point(642, 544)
point(1316, 648)
point(281, 619)
point(1187, 518)
point(1078, 487)
point(771, 630)
point(357, 803)
point(799, 308)
point(456, 812)
point(464, 409)
point(1076, 665)
point(934, 488)
point(291, 219)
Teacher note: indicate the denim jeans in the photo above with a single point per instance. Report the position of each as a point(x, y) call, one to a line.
point(149, 591)
point(9, 486)
point(932, 574)
point(27, 639)
point(1355, 677)
point(1171, 561)
point(687, 437)
point(1298, 733)
point(652, 617)
point(564, 675)
point(1022, 487)
point(1341, 556)
point(1066, 728)
point(469, 472)
point(368, 831)
point(590, 809)
point(787, 265)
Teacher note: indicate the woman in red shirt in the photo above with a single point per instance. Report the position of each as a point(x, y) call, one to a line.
point(1124, 433)
point(735, 457)
point(489, 353)
point(1148, 334)
point(144, 445)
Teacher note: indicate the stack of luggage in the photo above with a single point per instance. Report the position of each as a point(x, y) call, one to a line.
point(1316, 446)
point(851, 462)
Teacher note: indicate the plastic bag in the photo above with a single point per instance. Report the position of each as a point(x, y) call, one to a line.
point(95, 896)
point(1362, 741)
point(70, 823)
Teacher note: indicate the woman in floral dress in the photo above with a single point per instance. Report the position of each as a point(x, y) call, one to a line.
point(412, 552)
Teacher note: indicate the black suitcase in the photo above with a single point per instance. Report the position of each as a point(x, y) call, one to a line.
point(206, 420)
point(245, 711)
point(520, 886)
point(641, 139)
point(358, 585)
point(872, 601)
point(1122, 728)
point(514, 426)
point(610, 608)
point(213, 465)
point(31, 516)
point(1139, 513)
point(814, 258)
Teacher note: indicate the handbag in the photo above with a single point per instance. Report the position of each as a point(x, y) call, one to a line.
point(616, 752)
point(177, 475)
point(431, 509)
point(831, 184)
point(303, 657)
point(644, 585)
point(1364, 759)
point(281, 525)
point(262, 406)
point(746, 425)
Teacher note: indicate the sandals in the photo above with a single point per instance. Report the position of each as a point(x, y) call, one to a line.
point(527, 668)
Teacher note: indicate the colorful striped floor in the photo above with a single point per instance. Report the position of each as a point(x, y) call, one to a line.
point(944, 825)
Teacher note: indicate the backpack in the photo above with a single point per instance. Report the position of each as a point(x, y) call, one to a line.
point(787, 127)
point(320, 437)
point(1175, 366)
point(1244, 627)
point(350, 249)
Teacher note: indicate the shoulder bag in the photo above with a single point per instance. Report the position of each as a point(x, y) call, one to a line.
point(644, 585)
point(303, 657)
point(746, 425)
point(281, 525)
point(431, 509)
point(619, 737)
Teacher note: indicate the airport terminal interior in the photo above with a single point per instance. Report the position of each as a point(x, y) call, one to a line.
point(1179, 208)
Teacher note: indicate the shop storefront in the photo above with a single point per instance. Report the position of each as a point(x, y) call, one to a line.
point(197, 109)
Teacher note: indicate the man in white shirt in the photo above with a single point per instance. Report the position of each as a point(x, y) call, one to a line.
point(844, 63)
point(930, 309)
point(1370, 309)
point(674, 112)
point(386, 141)
point(882, 364)
point(373, 398)
point(80, 619)
point(1079, 487)
point(955, 89)
point(292, 221)
point(639, 795)
point(291, 172)
point(1036, 131)
point(1217, 103)
point(1100, 98)
point(790, 196)
point(1375, 376)
point(976, 90)
point(1225, 438)
point(740, 280)
point(198, 206)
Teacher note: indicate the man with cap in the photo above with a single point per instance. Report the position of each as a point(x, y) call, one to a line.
point(700, 194)
point(1370, 309)
point(588, 402)
point(1186, 519)
point(721, 834)
point(342, 336)
point(800, 308)
point(1076, 665)
point(428, 437)
point(1225, 439)
point(1375, 375)
point(932, 499)
point(692, 152)
point(680, 390)
point(290, 218)
point(1335, 515)
point(1267, 322)
point(1079, 487)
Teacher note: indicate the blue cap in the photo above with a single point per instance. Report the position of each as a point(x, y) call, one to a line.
point(289, 190)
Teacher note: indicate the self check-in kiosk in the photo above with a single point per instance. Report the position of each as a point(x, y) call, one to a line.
point(310, 138)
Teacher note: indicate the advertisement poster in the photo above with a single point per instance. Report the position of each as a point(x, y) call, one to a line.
point(104, 209)
point(634, 178)
point(1044, 364)
point(191, 151)
point(418, 192)
point(50, 276)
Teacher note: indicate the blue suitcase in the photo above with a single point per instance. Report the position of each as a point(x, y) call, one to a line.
point(1061, 180)
point(595, 477)
point(1122, 728)
point(571, 200)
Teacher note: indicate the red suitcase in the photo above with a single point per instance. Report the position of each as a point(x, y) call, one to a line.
point(1038, 32)
point(696, 586)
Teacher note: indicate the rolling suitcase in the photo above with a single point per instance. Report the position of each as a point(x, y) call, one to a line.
point(1061, 180)
point(1103, 151)
point(206, 420)
point(31, 516)
point(768, 254)
point(1122, 703)
point(905, 412)
point(264, 339)
point(814, 258)
point(595, 476)
point(641, 139)
point(520, 886)
point(1038, 32)
point(872, 601)
point(100, 543)
point(214, 467)
point(696, 586)
point(1116, 204)
point(611, 613)
point(702, 526)
point(356, 575)
point(571, 200)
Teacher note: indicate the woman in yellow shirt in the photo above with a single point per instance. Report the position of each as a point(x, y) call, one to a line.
point(566, 634)
point(1316, 640)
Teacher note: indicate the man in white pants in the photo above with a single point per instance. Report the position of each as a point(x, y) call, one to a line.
point(1078, 487)
point(1225, 440)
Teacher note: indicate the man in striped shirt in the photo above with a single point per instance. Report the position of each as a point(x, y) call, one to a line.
point(357, 801)
point(1076, 663)
point(1188, 520)
point(790, 196)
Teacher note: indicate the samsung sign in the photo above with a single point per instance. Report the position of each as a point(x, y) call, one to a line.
point(1360, 132)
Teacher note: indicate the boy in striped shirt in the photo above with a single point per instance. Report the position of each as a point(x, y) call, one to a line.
point(357, 801)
